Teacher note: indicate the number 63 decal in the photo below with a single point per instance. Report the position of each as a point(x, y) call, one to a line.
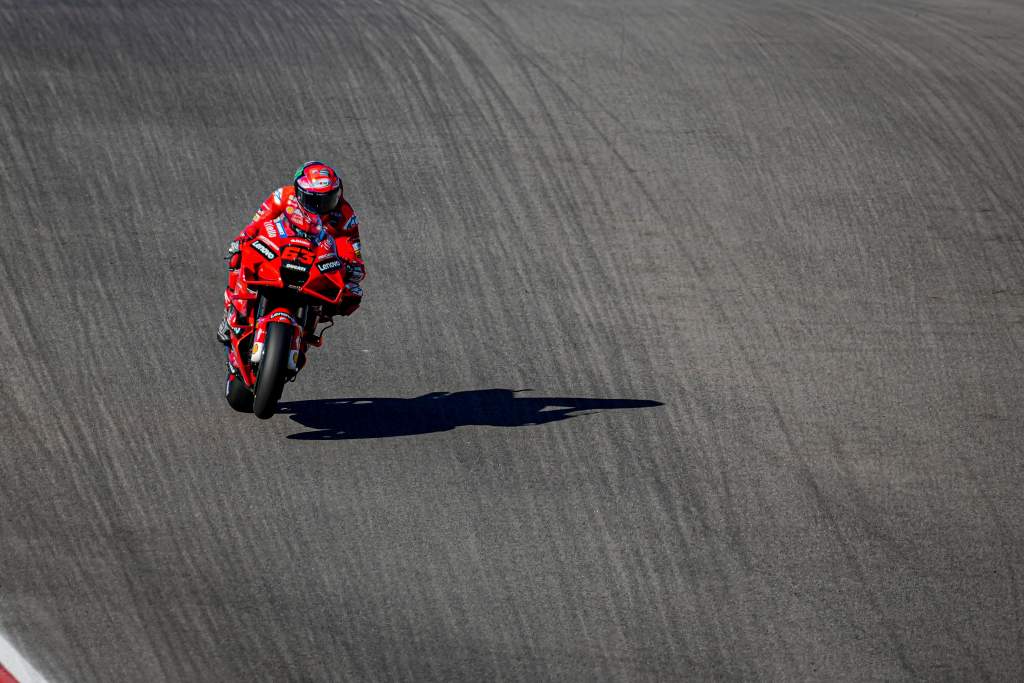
point(293, 253)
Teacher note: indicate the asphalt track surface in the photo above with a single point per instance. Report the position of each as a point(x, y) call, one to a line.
point(692, 343)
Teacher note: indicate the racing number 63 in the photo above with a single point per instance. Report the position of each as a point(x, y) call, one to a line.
point(294, 253)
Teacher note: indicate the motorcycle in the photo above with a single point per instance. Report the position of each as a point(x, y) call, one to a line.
point(283, 283)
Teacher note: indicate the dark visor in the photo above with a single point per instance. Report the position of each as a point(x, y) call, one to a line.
point(320, 202)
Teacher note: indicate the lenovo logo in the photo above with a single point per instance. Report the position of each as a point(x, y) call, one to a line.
point(329, 266)
point(262, 248)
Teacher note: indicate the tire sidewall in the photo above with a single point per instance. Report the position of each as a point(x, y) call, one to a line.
point(273, 369)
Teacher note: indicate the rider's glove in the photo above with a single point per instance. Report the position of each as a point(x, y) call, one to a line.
point(354, 272)
point(234, 257)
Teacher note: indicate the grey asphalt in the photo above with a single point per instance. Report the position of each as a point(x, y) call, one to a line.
point(692, 343)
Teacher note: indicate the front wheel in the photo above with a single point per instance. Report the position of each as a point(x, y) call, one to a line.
point(273, 369)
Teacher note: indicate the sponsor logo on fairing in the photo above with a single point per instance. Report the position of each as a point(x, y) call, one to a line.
point(329, 266)
point(357, 248)
point(296, 267)
point(264, 250)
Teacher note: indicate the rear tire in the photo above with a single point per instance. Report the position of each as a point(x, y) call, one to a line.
point(273, 369)
point(238, 395)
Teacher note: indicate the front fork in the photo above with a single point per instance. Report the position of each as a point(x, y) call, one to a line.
point(297, 352)
point(249, 316)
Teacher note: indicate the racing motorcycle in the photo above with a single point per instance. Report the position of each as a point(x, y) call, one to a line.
point(283, 282)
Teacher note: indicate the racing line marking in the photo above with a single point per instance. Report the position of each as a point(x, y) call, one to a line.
point(14, 668)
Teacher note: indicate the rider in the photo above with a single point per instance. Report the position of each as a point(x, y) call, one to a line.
point(313, 201)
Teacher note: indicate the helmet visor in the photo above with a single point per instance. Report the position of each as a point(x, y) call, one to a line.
point(319, 202)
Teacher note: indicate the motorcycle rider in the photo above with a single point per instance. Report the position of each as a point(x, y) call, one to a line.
point(313, 201)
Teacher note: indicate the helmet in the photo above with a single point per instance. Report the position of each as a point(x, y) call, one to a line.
point(317, 187)
point(301, 219)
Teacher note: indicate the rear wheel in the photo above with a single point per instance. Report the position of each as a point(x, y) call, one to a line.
point(238, 395)
point(273, 369)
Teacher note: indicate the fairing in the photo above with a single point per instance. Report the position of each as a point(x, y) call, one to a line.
point(305, 272)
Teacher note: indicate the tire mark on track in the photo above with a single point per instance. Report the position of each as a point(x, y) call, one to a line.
point(643, 191)
point(809, 482)
point(524, 127)
point(965, 124)
point(494, 25)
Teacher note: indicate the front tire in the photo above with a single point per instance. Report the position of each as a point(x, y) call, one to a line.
point(273, 369)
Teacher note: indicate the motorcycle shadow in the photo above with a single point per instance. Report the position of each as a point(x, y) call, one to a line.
point(376, 418)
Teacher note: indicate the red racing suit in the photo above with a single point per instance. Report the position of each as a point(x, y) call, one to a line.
point(341, 224)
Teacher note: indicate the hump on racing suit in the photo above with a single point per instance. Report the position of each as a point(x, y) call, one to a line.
point(341, 223)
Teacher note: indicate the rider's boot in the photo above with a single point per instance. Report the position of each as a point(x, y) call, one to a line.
point(224, 331)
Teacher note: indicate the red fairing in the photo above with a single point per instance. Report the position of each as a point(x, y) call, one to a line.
point(275, 256)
